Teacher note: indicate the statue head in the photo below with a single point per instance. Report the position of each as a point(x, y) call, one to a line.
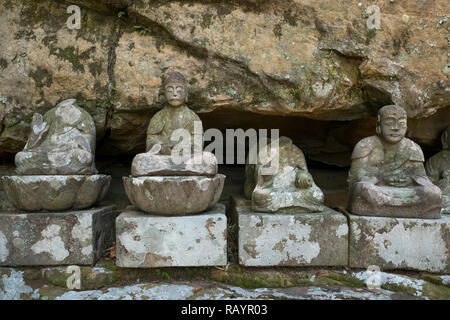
point(445, 139)
point(175, 89)
point(391, 124)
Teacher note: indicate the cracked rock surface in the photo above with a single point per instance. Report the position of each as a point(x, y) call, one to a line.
point(311, 68)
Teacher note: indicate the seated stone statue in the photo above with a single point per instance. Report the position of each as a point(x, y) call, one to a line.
point(56, 169)
point(163, 180)
point(438, 169)
point(289, 188)
point(387, 177)
point(61, 142)
point(176, 115)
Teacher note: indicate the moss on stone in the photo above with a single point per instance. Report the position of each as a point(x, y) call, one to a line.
point(206, 20)
point(42, 77)
point(277, 31)
point(95, 68)
point(370, 35)
point(3, 64)
point(90, 278)
point(346, 280)
point(434, 291)
point(432, 278)
point(74, 56)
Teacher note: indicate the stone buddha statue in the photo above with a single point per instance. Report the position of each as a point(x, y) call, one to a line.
point(61, 142)
point(289, 188)
point(161, 129)
point(387, 177)
point(438, 169)
point(164, 183)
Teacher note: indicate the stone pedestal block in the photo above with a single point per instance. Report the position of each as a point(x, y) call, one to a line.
point(146, 241)
point(400, 243)
point(303, 239)
point(55, 238)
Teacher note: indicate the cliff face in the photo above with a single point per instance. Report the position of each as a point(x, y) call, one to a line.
point(309, 67)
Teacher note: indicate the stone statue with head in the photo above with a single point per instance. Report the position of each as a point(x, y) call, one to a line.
point(438, 169)
point(387, 177)
point(175, 115)
point(162, 180)
point(163, 126)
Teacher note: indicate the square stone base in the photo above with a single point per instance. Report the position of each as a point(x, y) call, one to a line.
point(55, 238)
point(147, 241)
point(400, 243)
point(280, 239)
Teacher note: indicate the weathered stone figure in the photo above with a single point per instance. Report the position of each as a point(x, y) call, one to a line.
point(289, 189)
point(176, 115)
point(387, 176)
point(438, 169)
point(56, 169)
point(61, 142)
point(160, 185)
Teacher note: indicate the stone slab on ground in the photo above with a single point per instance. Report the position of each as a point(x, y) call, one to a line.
point(400, 243)
point(146, 241)
point(55, 238)
point(106, 281)
point(277, 239)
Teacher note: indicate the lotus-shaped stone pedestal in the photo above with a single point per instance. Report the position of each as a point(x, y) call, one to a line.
point(174, 195)
point(55, 192)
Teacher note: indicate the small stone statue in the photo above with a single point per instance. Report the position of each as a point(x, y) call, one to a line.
point(438, 169)
point(160, 185)
point(61, 142)
point(289, 189)
point(56, 169)
point(387, 177)
point(176, 115)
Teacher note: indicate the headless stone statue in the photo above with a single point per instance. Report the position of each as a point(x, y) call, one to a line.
point(438, 169)
point(56, 169)
point(387, 176)
point(61, 142)
point(289, 189)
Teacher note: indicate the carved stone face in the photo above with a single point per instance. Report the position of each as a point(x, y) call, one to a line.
point(392, 126)
point(175, 94)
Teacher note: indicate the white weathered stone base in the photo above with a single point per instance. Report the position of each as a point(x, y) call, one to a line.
point(146, 241)
point(400, 243)
point(55, 238)
point(280, 239)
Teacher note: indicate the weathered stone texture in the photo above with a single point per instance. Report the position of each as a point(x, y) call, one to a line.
point(282, 184)
point(146, 241)
point(397, 243)
point(55, 192)
point(174, 195)
point(308, 59)
point(316, 239)
point(145, 164)
point(63, 238)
